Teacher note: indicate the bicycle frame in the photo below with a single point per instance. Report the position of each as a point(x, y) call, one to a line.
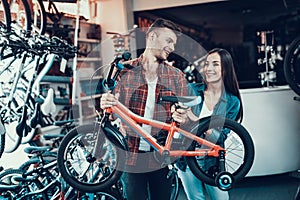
point(35, 89)
point(15, 82)
point(132, 120)
point(47, 67)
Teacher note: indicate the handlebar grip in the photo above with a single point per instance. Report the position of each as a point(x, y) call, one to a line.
point(110, 82)
point(120, 66)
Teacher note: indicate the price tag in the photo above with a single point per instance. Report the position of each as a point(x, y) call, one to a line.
point(63, 65)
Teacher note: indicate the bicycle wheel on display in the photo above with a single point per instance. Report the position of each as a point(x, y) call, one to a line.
point(5, 19)
point(7, 175)
point(2, 139)
point(239, 153)
point(16, 177)
point(88, 161)
point(12, 120)
point(291, 66)
point(38, 17)
point(20, 16)
point(34, 161)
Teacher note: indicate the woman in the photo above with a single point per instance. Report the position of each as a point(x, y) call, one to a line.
point(221, 97)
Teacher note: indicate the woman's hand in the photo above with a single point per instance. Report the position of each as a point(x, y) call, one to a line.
point(108, 100)
point(180, 114)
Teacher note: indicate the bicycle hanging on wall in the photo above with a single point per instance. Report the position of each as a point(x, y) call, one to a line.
point(31, 16)
point(292, 65)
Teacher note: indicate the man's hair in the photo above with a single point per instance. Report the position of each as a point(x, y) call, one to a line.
point(164, 23)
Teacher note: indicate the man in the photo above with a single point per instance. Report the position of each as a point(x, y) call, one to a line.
point(139, 88)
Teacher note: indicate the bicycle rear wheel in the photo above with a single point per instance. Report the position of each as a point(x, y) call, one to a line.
point(237, 143)
point(20, 16)
point(175, 187)
point(88, 161)
point(291, 66)
point(5, 19)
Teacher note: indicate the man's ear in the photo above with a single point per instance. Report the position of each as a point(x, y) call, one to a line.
point(152, 35)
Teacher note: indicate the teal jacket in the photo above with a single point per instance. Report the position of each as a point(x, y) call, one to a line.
point(228, 107)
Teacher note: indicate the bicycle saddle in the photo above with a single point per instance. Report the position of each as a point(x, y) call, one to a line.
point(64, 122)
point(4, 188)
point(33, 150)
point(52, 136)
point(48, 106)
point(185, 100)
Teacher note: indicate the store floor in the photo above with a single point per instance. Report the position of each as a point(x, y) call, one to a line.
point(273, 187)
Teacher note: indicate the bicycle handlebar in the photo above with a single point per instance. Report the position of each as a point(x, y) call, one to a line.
point(111, 80)
point(38, 45)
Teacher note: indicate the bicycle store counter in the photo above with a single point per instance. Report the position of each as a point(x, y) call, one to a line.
point(272, 117)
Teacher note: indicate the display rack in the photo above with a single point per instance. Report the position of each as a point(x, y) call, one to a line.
point(87, 37)
point(88, 91)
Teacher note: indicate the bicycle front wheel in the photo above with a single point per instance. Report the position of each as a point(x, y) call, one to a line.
point(88, 161)
point(234, 138)
point(291, 66)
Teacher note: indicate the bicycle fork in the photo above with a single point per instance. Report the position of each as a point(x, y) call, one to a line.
point(222, 161)
point(224, 180)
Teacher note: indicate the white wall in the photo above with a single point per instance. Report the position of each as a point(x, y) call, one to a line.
point(114, 16)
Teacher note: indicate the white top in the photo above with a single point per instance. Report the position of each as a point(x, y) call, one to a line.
point(149, 110)
point(205, 112)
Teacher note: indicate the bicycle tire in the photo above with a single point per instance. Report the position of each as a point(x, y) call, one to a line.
point(5, 16)
point(48, 158)
point(239, 154)
point(14, 142)
point(7, 177)
point(7, 174)
point(75, 160)
point(175, 187)
point(291, 66)
point(39, 17)
point(2, 143)
point(12, 137)
point(20, 16)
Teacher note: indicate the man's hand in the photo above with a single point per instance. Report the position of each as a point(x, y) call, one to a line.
point(108, 100)
point(179, 114)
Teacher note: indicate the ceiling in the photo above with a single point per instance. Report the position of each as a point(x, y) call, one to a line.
point(230, 13)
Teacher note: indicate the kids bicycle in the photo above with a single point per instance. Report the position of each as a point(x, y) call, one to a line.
point(222, 158)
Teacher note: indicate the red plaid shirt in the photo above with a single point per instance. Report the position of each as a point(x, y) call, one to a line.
point(133, 90)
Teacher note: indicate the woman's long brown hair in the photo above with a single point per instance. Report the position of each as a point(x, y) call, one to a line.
point(229, 77)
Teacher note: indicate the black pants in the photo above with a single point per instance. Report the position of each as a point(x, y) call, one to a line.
point(139, 186)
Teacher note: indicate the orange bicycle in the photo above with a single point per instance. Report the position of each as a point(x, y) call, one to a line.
point(92, 158)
